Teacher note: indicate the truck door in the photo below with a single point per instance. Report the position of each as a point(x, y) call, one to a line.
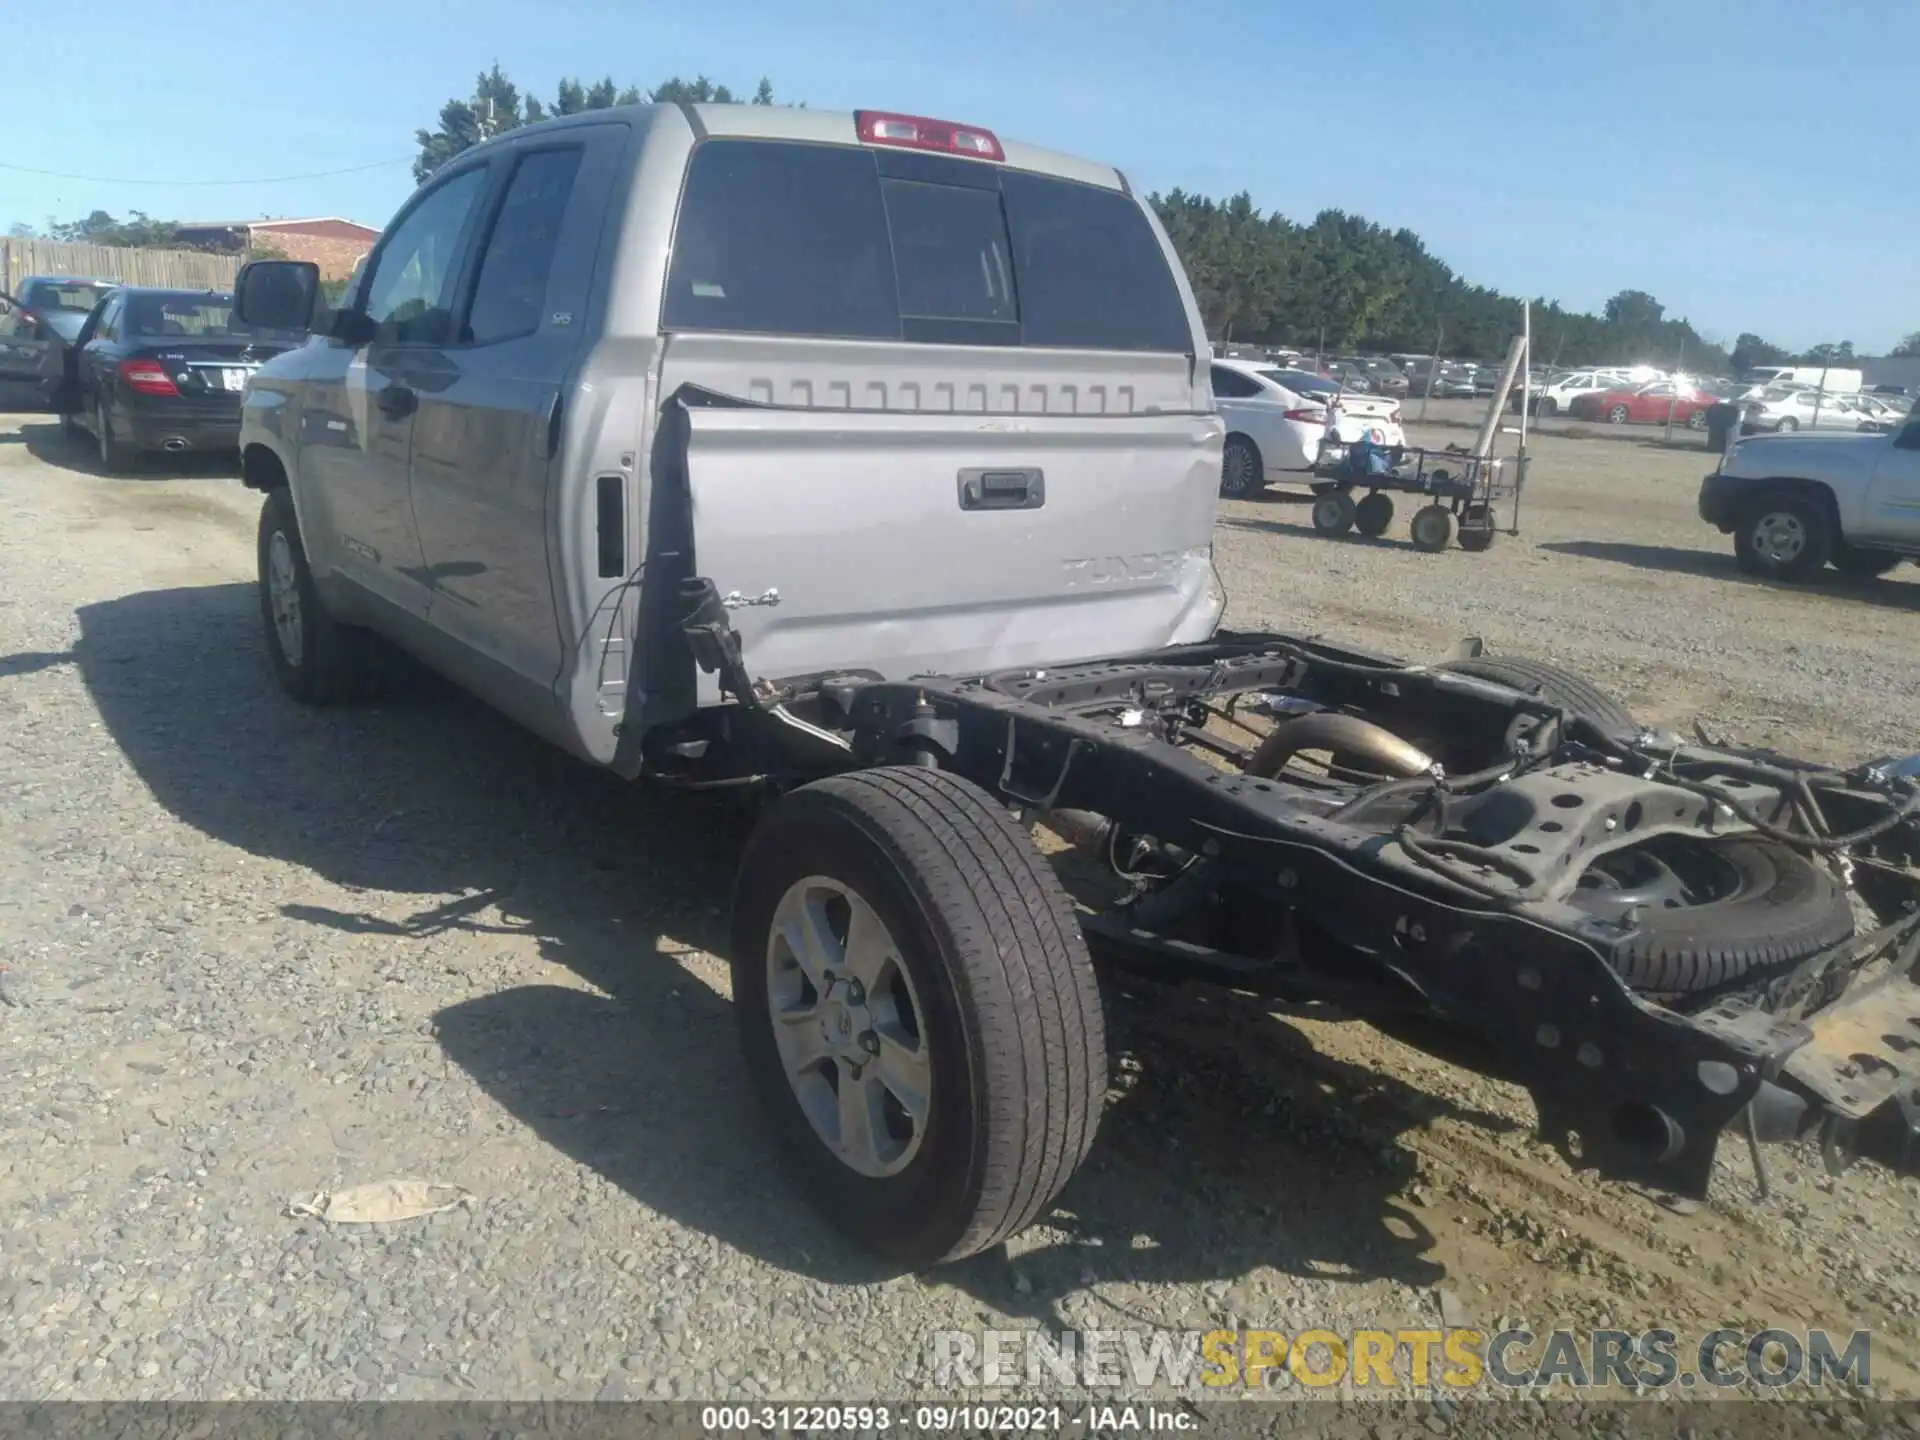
point(1892, 511)
point(489, 418)
point(357, 426)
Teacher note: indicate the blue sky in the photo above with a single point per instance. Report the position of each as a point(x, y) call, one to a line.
point(1751, 164)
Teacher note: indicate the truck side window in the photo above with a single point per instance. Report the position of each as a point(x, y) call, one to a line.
point(784, 239)
point(509, 299)
point(1089, 271)
point(408, 296)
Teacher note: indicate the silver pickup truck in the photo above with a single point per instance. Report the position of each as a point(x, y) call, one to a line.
point(1797, 503)
point(868, 462)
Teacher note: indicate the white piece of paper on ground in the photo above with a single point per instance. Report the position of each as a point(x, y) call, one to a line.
point(380, 1202)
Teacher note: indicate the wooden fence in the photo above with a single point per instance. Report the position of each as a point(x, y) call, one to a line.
point(185, 269)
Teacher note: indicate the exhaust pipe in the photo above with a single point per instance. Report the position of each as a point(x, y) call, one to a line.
point(1108, 840)
point(174, 443)
point(1078, 827)
point(1354, 745)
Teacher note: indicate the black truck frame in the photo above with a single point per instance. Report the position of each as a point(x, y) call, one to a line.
point(1427, 878)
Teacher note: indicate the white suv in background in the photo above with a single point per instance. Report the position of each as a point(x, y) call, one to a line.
point(1277, 420)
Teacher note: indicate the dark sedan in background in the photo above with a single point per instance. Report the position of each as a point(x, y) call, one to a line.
point(163, 370)
point(40, 321)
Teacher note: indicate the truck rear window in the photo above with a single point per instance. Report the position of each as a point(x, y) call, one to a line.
point(796, 239)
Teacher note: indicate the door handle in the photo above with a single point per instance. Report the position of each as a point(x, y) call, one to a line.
point(1002, 489)
point(398, 401)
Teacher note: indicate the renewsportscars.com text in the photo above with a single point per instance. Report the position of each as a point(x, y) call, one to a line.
point(1214, 1361)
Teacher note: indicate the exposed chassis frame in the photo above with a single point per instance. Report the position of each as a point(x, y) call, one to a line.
point(1331, 895)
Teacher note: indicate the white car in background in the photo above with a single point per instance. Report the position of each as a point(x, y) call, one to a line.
point(1784, 411)
point(1877, 413)
point(1277, 420)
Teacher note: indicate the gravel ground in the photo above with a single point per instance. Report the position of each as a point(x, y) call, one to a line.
point(254, 954)
point(1613, 574)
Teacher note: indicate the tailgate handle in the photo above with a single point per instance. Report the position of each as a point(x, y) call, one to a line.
point(1002, 489)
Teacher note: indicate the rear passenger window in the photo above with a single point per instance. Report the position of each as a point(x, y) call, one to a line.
point(510, 295)
point(782, 239)
point(1091, 274)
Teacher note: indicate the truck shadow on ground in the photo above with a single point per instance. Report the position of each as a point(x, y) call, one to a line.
point(1217, 1164)
point(1891, 591)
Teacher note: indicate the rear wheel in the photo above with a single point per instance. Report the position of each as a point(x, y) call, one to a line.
point(1618, 415)
point(1783, 536)
point(1240, 468)
point(1373, 515)
point(1549, 406)
point(1333, 513)
point(1432, 528)
point(918, 1011)
point(1697, 420)
point(1787, 426)
point(1710, 916)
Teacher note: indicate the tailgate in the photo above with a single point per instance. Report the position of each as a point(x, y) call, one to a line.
point(916, 543)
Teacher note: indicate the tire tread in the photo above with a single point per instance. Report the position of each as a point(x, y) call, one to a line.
point(1801, 912)
point(1020, 967)
point(1550, 682)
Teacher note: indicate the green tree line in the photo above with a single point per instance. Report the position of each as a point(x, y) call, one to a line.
point(1341, 282)
point(498, 105)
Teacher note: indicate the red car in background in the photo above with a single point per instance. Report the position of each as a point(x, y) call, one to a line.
point(1647, 404)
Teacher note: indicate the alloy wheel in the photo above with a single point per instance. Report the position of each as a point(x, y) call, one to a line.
point(283, 590)
point(847, 1025)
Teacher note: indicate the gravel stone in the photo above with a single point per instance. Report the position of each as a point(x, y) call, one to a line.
point(273, 952)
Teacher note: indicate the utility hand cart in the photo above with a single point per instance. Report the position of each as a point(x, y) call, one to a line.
point(1463, 491)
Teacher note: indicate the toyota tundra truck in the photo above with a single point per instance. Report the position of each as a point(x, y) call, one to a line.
point(867, 463)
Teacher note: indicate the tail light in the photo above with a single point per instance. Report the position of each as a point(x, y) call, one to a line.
point(1308, 417)
point(917, 132)
point(146, 377)
point(1393, 416)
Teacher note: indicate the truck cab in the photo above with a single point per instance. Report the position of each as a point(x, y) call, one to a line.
point(914, 398)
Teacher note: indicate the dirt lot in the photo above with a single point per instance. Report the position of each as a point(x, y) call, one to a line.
point(254, 954)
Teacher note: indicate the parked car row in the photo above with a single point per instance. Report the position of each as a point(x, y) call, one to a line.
point(139, 368)
point(1786, 409)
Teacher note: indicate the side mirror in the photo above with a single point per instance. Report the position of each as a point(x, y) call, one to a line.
point(277, 294)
